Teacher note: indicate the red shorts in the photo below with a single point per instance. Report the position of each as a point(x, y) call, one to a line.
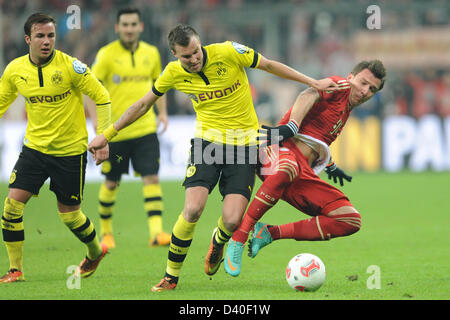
point(307, 192)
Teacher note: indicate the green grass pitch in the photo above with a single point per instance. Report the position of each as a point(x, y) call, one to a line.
point(405, 235)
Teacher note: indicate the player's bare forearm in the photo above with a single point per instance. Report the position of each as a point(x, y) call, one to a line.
point(283, 71)
point(98, 146)
point(162, 114)
point(162, 105)
point(304, 102)
point(135, 111)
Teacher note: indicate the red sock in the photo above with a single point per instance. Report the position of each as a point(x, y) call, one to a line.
point(318, 228)
point(266, 197)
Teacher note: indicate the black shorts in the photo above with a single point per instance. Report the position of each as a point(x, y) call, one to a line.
point(233, 167)
point(67, 174)
point(143, 153)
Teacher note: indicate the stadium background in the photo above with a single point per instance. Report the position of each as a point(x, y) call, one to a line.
point(406, 125)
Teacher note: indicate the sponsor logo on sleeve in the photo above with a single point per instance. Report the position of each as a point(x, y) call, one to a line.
point(240, 48)
point(79, 67)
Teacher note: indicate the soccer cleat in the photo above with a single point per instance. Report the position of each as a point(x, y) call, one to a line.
point(108, 240)
point(213, 257)
point(161, 239)
point(233, 258)
point(12, 275)
point(165, 284)
point(260, 238)
point(87, 267)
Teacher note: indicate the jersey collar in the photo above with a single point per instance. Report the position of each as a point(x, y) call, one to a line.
point(46, 63)
point(205, 57)
point(125, 48)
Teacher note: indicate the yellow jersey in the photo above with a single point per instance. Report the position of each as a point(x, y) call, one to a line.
point(220, 93)
point(128, 76)
point(53, 95)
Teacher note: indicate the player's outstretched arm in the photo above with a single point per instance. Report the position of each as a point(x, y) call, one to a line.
point(162, 114)
point(303, 103)
point(134, 112)
point(283, 71)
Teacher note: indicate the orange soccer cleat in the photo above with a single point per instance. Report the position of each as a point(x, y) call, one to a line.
point(160, 240)
point(165, 284)
point(12, 275)
point(214, 257)
point(87, 267)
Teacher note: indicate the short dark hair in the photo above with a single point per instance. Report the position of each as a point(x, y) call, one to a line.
point(181, 35)
point(128, 11)
point(375, 66)
point(37, 18)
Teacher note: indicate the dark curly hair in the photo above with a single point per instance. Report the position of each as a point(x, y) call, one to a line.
point(375, 66)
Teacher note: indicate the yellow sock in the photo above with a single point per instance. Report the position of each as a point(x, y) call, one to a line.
point(13, 232)
point(106, 199)
point(154, 225)
point(153, 205)
point(182, 235)
point(84, 230)
point(15, 254)
point(223, 234)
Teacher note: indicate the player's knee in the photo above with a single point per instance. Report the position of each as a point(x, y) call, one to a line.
point(111, 185)
point(353, 222)
point(347, 218)
point(360, 222)
point(12, 209)
point(192, 211)
point(150, 179)
point(233, 210)
point(231, 222)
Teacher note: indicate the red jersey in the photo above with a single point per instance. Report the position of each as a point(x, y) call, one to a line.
point(328, 115)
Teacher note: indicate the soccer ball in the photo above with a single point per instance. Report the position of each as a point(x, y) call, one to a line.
point(305, 272)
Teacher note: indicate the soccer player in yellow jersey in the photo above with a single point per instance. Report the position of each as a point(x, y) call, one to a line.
point(127, 68)
point(223, 150)
point(55, 142)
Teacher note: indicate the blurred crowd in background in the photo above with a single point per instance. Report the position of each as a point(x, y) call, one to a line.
point(319, 38)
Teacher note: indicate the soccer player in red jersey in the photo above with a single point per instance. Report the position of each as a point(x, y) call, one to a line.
point(290, 170)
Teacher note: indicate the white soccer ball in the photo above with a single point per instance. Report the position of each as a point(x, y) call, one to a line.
point(305, 272)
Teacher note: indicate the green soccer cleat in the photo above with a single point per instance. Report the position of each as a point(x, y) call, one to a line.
point(260, 238)
point(233, 258)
